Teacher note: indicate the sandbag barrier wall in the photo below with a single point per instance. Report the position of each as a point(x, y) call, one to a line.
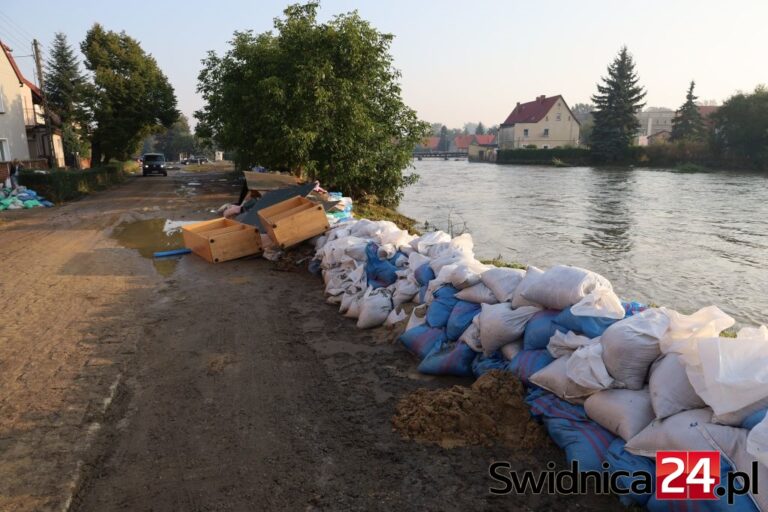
point(370, 269)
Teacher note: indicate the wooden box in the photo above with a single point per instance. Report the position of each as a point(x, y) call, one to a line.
point(221, 239)
point(293, 221)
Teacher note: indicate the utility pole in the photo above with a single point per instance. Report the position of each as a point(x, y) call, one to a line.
point(46, 112)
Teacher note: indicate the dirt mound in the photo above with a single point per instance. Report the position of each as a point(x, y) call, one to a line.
point(491, 411)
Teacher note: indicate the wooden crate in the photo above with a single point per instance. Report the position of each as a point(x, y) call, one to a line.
point(293, 221)
point(221, 239)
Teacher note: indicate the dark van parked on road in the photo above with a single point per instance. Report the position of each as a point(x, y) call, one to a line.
point(153, 162)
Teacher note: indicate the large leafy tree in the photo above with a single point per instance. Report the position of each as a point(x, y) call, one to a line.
point(688, 124)
point(319, 99)
point(65, 90)
point(741, 127)
point(617, 102)
point(132, 98)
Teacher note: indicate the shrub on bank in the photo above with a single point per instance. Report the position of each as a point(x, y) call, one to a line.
point(569, 156)
point(65, 185)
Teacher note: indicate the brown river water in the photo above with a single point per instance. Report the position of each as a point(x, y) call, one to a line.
point(678, 239)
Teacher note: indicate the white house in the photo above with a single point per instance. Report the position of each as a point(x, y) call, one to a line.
point(23, 133)
point(543, 123)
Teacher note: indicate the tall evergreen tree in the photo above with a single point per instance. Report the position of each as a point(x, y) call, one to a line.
point(65, 84)
point(688, 124)
point(617, 102)
point(480, 130)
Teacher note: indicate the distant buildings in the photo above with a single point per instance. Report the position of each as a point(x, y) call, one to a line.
point(656, 123)
point(542, 123)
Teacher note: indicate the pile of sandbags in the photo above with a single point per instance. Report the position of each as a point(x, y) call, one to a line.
point(613, 382)
point(22, 197)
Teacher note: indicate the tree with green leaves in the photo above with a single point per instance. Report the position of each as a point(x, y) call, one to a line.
point(177, 139)
point(741, 128)
point(322, 100)
point(480, 130)
point(132, 98)
point(688, 124)
point(617, 102)
point(65, 90)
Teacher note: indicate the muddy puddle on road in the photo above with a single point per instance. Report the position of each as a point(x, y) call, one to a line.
point(148, 237)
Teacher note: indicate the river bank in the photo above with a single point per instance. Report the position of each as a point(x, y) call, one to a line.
point(666, 237)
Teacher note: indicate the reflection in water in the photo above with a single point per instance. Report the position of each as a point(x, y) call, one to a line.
point(686, 240)
point(609, 218)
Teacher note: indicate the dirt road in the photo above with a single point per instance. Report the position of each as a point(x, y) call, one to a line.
point(226, 387)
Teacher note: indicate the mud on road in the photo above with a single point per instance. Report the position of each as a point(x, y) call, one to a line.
point(206, 387)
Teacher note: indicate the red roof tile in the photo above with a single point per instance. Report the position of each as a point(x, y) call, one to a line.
point(485, 140)
point(431, 143)
point(531, 112)
point(22, 80)
point(463, 141)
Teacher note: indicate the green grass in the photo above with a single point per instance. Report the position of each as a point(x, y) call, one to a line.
point(728, 333)
point(498, 262)
point(378, 212)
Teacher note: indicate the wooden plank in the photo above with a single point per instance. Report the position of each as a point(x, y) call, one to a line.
point(281, 207)
point(236, 244)
point(197, 244)
point(275, 219)
point(206, 225)
point(216, 232)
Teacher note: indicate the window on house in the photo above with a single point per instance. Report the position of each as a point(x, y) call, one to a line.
point(545, 146)
point(546, 132)
point(558, 117)
point(525, 132)
point(546, 118)
point(5, 154)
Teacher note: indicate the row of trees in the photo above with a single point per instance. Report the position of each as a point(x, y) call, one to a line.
point(738, 132)
point(321, 100)
point(111, 108)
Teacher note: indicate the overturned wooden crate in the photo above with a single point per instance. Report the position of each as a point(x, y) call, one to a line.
point(293, 220)
point(221, 239)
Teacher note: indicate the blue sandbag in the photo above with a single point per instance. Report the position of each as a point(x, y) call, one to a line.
point(528, 362)
point(461, 317)
point(398, 255)
point(423, 293)
point(621, 460)
point(424, 274)
point(450, 359)
point(422, 339)
point(753, 419)
point(590, 326)
point(633, 308)
point(483, 363)
point(539, 329)
point(569, 427)
point(441, 306)
point(47, 204)
point(381, 273)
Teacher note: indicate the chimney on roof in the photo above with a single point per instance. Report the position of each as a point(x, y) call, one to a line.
point(518, 105)
point(540, 99)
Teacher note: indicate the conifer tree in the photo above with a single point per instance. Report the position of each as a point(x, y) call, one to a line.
point(617, 102)
point(688, 124)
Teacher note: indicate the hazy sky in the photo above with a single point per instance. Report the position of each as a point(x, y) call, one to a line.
point(461, 61)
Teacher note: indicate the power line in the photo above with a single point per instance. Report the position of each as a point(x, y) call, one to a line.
point(21, 30)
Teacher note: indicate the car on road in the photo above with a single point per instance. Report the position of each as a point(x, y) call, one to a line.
point(153, 163)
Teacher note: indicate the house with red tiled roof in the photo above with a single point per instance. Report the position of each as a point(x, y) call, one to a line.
point(546, 122)
point(429, 144)
point(23, 131)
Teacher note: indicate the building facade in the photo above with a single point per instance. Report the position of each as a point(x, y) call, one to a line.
point(543, 123)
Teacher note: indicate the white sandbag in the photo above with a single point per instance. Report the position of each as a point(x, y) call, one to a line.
point(677, 432)
point(353, 310)
point(562, 286)
point(418, 317)
point(462, 277)
point(757, 441)
point(531, 275)
point(503, 281)
point(449, 257)
point(479, 294)
point(427, 240)
point(564, 344)
point(415, 260)
point(406, 289)
point(334, 251)
point(671, 391)
point(334, 300)
point(622, 411)
point(510, 350)
point(386, 251)
point(684, 330)
point(471, 335)
point(320, 242)
point(737, 417)
point(374, 308)
point(631, 345)
point(397, 314)
point(500, 324)
point(601, 302)
point(442, 278)
point(554, 378)
point(349, 296)
point(587, 369)
point(730, 374)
